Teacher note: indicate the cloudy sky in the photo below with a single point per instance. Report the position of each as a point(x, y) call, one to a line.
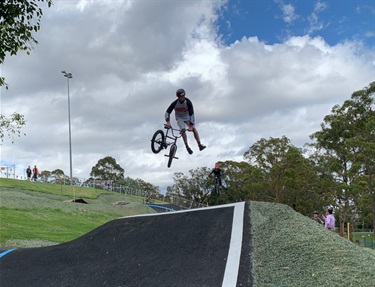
point(253, 69)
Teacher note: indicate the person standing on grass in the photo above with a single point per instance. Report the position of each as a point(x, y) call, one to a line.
point(329, 220)
point(28, 173)
point(35, 173)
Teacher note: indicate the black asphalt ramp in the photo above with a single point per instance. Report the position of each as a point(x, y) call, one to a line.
point(172, 249)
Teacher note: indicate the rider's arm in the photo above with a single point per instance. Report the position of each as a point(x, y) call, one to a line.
point(191, 111)
point(169, 111)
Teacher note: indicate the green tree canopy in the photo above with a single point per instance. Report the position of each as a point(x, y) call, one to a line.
point(347, 140)
point(107, 169)
point(18, 20)
point(11, 125)
point(282, 174)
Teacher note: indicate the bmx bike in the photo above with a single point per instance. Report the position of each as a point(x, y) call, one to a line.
point(217, 186)
point(161, 140)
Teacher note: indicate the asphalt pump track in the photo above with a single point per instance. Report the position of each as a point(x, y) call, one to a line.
point(208, 246)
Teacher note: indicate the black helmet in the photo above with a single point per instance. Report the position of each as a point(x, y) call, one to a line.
point(180, 92)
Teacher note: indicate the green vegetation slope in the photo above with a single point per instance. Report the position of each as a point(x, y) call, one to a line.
point(288, 249)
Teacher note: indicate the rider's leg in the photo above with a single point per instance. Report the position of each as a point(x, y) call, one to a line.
point(182, 124)
point(196, 136)
point(184, 137)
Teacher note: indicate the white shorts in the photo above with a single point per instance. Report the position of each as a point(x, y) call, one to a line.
point(182, 124)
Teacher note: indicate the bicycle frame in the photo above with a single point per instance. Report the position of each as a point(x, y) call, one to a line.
point(161, 140)
point(172, 137)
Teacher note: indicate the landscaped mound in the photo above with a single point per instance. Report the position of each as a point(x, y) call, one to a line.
point(290, 249)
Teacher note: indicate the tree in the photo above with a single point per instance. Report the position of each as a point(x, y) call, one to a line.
point(138, 184)
point(107, 169)
point(361, 114)
point(12, 125)
point(45, 175)
point(59, 176)
point(347, 140)
point(238, 178)
point(287, 175)
point(194, 188)
point(18, 20)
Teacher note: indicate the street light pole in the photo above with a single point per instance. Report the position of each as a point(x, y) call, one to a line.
point(69, 76)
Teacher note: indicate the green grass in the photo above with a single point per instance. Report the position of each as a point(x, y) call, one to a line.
point(51, 188)
point(34, 214)
point(48, 224)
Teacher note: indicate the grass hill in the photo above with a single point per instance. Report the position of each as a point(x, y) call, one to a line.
point(288, 249)
point(39, 214)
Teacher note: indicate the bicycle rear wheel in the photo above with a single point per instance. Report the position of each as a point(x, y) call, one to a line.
point(157, 141)
point(217, 187)
point(172, 153)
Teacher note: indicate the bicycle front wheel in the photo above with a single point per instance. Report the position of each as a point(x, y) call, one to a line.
point(172, 153)
point(157, 141)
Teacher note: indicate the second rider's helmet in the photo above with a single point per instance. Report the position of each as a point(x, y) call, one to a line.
point(180, 92)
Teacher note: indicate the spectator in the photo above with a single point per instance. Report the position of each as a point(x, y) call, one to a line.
point(28, 173)
point(317, 218)
point(329, 220)
point(35, 173)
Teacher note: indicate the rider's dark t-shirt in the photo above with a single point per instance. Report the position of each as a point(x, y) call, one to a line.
point(216, 172)
point(183, 111)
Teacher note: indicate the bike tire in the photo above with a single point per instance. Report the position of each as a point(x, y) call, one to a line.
point(157, 141)
point(172, 153)
point(217, 187)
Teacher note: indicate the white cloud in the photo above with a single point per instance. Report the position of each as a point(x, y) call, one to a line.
point(128, 58)
point(289, 15)
point(315, 22)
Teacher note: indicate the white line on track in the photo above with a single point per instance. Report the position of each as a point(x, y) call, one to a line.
point(185, 210)
point(234, 254)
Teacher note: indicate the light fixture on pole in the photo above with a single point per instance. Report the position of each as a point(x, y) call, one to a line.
point(69, 76)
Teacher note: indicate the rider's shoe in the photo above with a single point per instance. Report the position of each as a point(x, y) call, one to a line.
point(201, 147)
point(189, 150)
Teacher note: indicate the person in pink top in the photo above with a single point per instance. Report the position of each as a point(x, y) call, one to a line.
point(329, 220)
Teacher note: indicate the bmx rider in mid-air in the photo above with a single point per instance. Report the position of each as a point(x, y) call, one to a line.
point(184, 113)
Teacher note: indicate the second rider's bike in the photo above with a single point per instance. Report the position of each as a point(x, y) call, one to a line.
point(217, 185)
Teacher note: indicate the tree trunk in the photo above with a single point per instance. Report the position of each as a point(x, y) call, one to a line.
point(372, 196)
point(342, 226)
